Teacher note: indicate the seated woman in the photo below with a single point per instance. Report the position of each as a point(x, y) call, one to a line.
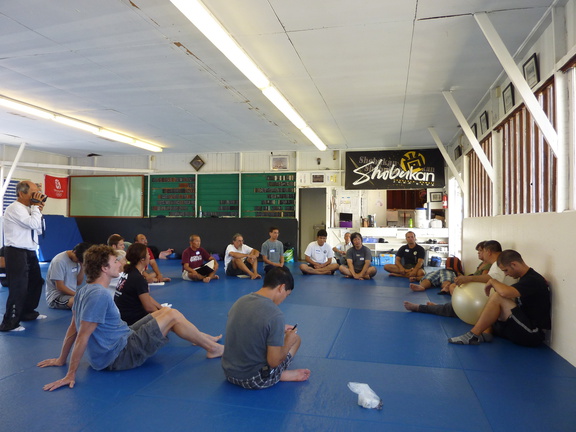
point(132, 293)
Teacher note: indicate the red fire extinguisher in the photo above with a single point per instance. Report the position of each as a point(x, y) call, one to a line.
point(444, 201)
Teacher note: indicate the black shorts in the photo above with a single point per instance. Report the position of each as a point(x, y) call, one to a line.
point(519, 329)
point(233, 271)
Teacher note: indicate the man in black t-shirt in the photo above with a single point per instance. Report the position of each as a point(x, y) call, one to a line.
point(409, 260)
point(520, 312)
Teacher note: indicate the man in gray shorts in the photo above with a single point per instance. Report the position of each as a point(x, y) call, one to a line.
point(97, 328)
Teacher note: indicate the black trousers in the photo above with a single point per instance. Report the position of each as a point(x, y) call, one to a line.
point(25, 287)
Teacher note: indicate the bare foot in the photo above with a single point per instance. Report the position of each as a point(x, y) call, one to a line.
point(416, 287)
point(213, 338)
point(255, 276)
point(216, 351)
point(295, 375)
point(215, 277)
point(430, 304)
point(206, 279)
point(166, 279)
point(412, 307)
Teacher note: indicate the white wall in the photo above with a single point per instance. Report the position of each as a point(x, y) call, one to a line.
point(545, 241)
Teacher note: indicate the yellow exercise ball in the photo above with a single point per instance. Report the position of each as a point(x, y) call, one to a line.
point(468, 301)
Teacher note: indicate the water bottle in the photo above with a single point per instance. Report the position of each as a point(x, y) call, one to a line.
point(200, 212)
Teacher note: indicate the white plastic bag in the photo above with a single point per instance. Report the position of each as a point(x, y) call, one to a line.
point(366, 396)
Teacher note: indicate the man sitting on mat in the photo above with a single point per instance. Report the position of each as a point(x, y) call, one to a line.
point(518, 312)
point(97, 329)
point(409, 260)
point(272, 250)
point(65, 275)
point(259, 346)
point(154, 276)
point(197, 263)
point(358, 260)
point(319, 257)
point(241, 260)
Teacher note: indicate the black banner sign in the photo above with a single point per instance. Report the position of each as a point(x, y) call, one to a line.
point(395, 169)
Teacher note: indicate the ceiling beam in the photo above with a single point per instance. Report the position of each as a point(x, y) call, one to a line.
point(469, 134)
point(517, 78)
point(76, 167)
point(447, 158)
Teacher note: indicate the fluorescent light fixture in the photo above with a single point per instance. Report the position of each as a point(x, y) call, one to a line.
point(204, 21)
point(284, 106)
point(25, 108)
point(78, 124)
point(115, 136)
point(314, 138)
point(147, 146)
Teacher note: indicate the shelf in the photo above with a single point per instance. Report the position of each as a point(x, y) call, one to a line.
point(396, 238)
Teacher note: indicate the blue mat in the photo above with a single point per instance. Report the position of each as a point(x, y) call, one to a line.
point(351, 331)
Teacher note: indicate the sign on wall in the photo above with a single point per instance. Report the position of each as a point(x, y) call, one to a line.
point(395, 169)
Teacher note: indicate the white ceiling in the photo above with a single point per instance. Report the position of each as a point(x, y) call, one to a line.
point(364, 74)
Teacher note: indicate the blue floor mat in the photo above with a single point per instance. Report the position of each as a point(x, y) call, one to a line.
point(351, 331)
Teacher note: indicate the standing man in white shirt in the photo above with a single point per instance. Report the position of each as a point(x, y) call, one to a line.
point(22, 224)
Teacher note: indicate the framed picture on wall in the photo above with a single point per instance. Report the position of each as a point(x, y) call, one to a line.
point(458, 151)
point(279, 163)
point(474, 130)
point(435, 196)
point(531, 72)
point(484, 124)
point(508, 97)
point(318, 178)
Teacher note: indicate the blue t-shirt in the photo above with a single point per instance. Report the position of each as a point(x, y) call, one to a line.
point(93, 303)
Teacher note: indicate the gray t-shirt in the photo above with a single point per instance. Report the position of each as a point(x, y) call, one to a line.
point(359, 257)
point(254, 323)
point(273, 250)
point(62, 268)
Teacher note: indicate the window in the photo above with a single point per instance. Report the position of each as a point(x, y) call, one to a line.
point(529, 165)
point(480, 189)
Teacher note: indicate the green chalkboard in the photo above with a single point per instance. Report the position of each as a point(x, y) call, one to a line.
point(116, 196)
point(269, 195)
point(218, 195)
point(173, 195)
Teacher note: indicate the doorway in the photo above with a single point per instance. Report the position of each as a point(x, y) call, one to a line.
point(311, 216)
